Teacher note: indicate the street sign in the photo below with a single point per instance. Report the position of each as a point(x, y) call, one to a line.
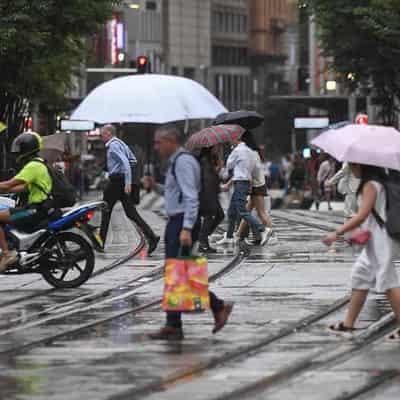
point(75, 125)
point(311, 123)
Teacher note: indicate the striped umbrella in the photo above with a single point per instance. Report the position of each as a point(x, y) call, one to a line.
point(209, 137)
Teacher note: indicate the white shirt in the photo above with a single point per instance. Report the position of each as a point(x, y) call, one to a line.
point(326, 171)
point(242, 162)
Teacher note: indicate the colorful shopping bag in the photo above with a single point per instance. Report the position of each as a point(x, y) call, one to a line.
point(186, 284)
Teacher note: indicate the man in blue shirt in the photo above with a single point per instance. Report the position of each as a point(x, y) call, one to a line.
point(120, 161)
point(181, 193)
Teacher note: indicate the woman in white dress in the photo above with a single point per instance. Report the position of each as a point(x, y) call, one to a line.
point(325, 172)
point(374, 268)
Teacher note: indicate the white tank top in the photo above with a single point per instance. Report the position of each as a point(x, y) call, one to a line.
point(258, 175)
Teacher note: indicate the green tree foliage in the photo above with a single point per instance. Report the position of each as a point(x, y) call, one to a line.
point(41, 44)
point(363, 39)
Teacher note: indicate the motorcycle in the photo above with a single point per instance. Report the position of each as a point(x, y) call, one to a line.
point(64, 258)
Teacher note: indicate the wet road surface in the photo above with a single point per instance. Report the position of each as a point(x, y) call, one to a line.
point(92, 343)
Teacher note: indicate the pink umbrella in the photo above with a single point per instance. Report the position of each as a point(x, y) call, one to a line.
point(213, 135)
point(362, 144)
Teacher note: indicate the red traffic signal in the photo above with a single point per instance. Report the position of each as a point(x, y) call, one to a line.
point(28, 123)
point(142, 64)
point(362, 119)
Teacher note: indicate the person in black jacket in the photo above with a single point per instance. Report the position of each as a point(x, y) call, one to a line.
point(213, 215)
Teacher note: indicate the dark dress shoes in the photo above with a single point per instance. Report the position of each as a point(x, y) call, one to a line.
point(167, 333)
point(221, 317)
point(153, 242)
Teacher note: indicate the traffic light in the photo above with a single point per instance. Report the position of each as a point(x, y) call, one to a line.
point(143, 65)
point(303, 79)
point(28, 123)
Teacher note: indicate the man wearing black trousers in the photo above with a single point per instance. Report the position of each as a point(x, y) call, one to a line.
point(181, 191)
point(120, 161)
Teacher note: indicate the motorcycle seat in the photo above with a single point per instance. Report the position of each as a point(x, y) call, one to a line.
point(42, 225)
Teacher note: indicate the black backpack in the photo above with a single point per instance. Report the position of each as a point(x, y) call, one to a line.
point(392, 223)
point(208, 195)
point(62, 194)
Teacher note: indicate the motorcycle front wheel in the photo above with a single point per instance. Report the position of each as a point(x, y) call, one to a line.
point(67, 261)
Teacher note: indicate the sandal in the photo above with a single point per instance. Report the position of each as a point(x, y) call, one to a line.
point(340, 327)
point(394, 336)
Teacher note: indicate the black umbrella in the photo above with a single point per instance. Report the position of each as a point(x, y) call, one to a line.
point(246, 119)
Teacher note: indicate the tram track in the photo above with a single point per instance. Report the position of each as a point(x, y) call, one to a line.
point(83, 303)
point(320, 359)
point(235, 262)
point(375, 383)
point(323, 358)
point(111, 266)
point(232, 356)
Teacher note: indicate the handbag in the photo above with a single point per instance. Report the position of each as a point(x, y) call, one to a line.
point(359, 237)
point(186, 284)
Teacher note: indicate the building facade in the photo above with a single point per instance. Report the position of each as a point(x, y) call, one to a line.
point(230, 76)
point(186, 38)
point(273, 45)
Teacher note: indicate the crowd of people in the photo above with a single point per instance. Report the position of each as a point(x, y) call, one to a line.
point(191, 189)
point(244, 170)
point(303, 180)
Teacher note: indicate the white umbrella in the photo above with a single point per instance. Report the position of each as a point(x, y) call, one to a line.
point(148, 98)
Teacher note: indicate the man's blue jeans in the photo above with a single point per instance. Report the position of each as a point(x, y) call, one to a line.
point(237, 210)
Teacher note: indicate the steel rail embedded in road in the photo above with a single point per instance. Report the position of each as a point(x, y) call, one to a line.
point(239, 257)
point(113, 265)
point(229, 356)
point(248, 351)
point(378, 381)
point(321, 359)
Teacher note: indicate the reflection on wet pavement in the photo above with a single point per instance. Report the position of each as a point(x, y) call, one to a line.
point(273, 288)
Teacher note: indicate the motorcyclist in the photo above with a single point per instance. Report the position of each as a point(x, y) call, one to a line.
point(32, 184)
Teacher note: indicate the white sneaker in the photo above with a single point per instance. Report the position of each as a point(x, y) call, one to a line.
point(215, 237)
point(225, 240)
point(273, 240)
point(265, 236)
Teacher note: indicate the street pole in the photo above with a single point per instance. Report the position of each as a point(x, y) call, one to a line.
point(352, 107)
point(312, 43)
point(312, 55)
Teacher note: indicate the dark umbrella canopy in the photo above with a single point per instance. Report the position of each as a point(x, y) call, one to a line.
point(246, 119)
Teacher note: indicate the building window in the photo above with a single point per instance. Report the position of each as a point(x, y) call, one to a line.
point(225, 56)
point(236, 23)
point(151, 5)
point(221, 22)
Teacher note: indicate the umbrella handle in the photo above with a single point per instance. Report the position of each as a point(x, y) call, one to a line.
point(186, 128)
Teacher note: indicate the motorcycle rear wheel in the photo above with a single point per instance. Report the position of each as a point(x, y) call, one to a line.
point(68, 261)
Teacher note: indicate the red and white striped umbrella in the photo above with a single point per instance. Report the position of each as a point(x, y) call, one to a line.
point(209, 137)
